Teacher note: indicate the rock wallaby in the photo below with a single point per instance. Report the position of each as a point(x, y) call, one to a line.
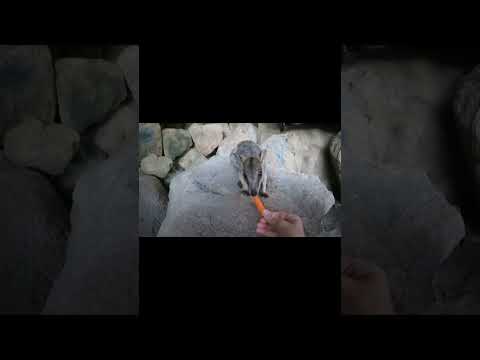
point(249, 160)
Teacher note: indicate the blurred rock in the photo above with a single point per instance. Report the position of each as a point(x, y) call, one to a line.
point(279, 157)
point(129, 61)
point(459, 274)
point(153, 202)
point(86, 158)
point(48, 148)
point(119, 129)
point(331, 223)
point(336, 154)
point(149, 139)
point(467, 116)
point(174, 171)
point(311, 153)
point(34, 225)
point(27, 85)
point(175, 125)
point(265, 130)
point(227, 131)
point(206, 137)
point(88, 90)
point(465, 305)
point(191, 158)
point(396, 113)
point(176, 142)
point(100, 275)
point(391, 223)
point(158, 166)
point(112, 52)
point(205, 201)
point(239, 132)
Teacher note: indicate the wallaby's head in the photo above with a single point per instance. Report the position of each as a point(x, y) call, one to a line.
point(252, 171)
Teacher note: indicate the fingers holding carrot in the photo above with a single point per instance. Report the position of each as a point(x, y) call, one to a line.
point(280, 223)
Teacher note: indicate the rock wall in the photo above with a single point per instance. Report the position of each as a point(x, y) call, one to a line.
point(79, 160)
point(404, 188)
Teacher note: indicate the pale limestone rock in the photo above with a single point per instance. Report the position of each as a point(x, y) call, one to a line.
point(191, 158)
point(206, 137)
point(158, 166)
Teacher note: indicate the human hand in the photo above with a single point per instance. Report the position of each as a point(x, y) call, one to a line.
point(364, 288)
point(280, 223)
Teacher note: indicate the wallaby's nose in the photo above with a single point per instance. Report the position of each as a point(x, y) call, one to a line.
point(253, 192)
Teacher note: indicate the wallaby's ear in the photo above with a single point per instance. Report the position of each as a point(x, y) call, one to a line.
point(262, 154)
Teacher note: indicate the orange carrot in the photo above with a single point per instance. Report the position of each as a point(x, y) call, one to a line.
point(258, 203)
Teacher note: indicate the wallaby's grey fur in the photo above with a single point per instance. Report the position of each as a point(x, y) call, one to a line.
point(249, 160)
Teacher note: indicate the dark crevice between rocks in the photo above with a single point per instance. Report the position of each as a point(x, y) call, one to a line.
point(334, 179)
point(213, 153)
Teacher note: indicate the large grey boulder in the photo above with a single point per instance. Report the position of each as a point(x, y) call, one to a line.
point(457, 282)
point(467, 115)
point(48, 148)
point(191, 158)
point(310, 148)
point(27, 85)
point(34, 230)
point(300, 151)
point(100, 275)
point(279, 157)
point(459, 275)
point(129, 61)
point(87, 157)
point(206, 201)
point(152, 205)
point(88, 90)
point(119, 128)
point(396, 113)
point(396, 218)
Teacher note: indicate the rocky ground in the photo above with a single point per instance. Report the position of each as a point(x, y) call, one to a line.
point(410, 126)
point(68, 148)
point(188, 186)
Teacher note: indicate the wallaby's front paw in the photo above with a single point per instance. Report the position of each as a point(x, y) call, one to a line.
point(264, 194)
point(245, 192)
